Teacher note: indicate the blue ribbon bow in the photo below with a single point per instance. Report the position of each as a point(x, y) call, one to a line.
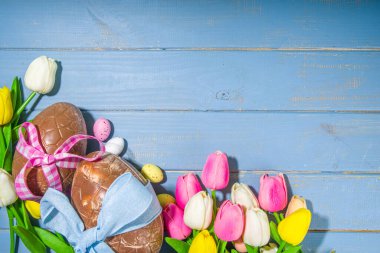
point(127, 205)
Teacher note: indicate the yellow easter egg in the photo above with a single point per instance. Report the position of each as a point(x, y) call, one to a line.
point(165, 199)
point(33, 208)
point(153, 173)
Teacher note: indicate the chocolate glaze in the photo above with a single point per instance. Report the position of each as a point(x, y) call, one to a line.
point(90, 183)
point(55, 124)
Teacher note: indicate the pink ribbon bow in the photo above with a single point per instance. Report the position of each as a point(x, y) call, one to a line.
point(32, 150)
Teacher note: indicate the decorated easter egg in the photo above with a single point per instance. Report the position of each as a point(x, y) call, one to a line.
point(102, 129)
point(152, 173)
point(55, 125)
point(115, 145)
point(91, 182)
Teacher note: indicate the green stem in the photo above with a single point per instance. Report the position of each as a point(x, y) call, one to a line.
point(282, 245)
point(22, 107)
point(25, 216)
point(213, 194)
point(255, 249)
point(16, 215)
point(11, 231)
point(275, 214)
point(223, 247)
point(282, 216)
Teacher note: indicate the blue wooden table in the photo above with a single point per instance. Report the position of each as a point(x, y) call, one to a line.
point(289, 86)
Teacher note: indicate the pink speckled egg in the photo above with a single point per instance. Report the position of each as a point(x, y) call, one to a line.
point(102, 129)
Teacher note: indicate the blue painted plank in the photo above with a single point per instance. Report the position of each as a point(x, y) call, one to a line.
point(266, 141)
point(314, 243)
point(209, 80)
point(146, 24)
point(5, 243)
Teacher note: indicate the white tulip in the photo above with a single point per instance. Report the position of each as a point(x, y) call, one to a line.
point(40, 75)
point(115, 145)
point(7, 189)
point(257, 231)
point(242, 195)
point(198, 211)
point(271, 248)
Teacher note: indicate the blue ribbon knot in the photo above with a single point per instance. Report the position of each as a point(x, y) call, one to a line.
point(127, 205)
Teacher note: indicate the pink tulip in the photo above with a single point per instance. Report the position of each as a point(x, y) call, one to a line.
point(174, 224)
point(216, 172)
point(229, 222)
point(186, 187)
point(273, 195)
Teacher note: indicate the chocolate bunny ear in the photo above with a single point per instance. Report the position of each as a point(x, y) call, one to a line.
point(127, 205)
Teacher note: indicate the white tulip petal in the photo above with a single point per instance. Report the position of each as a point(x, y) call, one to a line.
point(256, 228)
point(40, 75)
point(195, 211)
point(242, 195)
point(7, 190)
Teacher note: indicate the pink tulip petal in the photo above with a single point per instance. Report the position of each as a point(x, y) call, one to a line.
point(229, 222)
point(173, 221)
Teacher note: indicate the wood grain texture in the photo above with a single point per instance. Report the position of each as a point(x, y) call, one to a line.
point(288, 86)
point(166, 24)
point(305, 142)
point(237, 81)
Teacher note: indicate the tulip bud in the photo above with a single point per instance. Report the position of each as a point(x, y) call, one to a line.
point(273, 195)
point(257, 231)
point(242, 195)
point(216, 172)
point(174, 225)
point(240, 245)
point(271, 248)
point(229, 222)
point(33, 208)
point(295, 203)
point(6, 108)
point(7, 189)
point(198, 211)
point(203, 243)
point(40, 75)
point(293, 228)
point(186, 187)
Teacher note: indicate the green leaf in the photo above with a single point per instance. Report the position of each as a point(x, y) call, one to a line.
point(3, 148)
point(16, 98)
point(234, 251)
point(274, 232)
point(30, 240)
point(8, 156)
point(251, 249)
point(53, 242)
point(292, 249)
point(177, 245)
point(60, 237)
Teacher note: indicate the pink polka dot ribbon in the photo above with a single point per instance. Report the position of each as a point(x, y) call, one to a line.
point(32, 150)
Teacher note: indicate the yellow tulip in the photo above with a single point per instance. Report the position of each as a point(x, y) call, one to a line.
point(203, 243)
point(293, 228)
point(33, 208)
point(6, 109)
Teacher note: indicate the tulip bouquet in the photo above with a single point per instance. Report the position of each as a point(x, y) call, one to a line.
point(244, 223)
point(39, 78)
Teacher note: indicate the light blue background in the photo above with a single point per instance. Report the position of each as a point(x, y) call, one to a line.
point(289, 86)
